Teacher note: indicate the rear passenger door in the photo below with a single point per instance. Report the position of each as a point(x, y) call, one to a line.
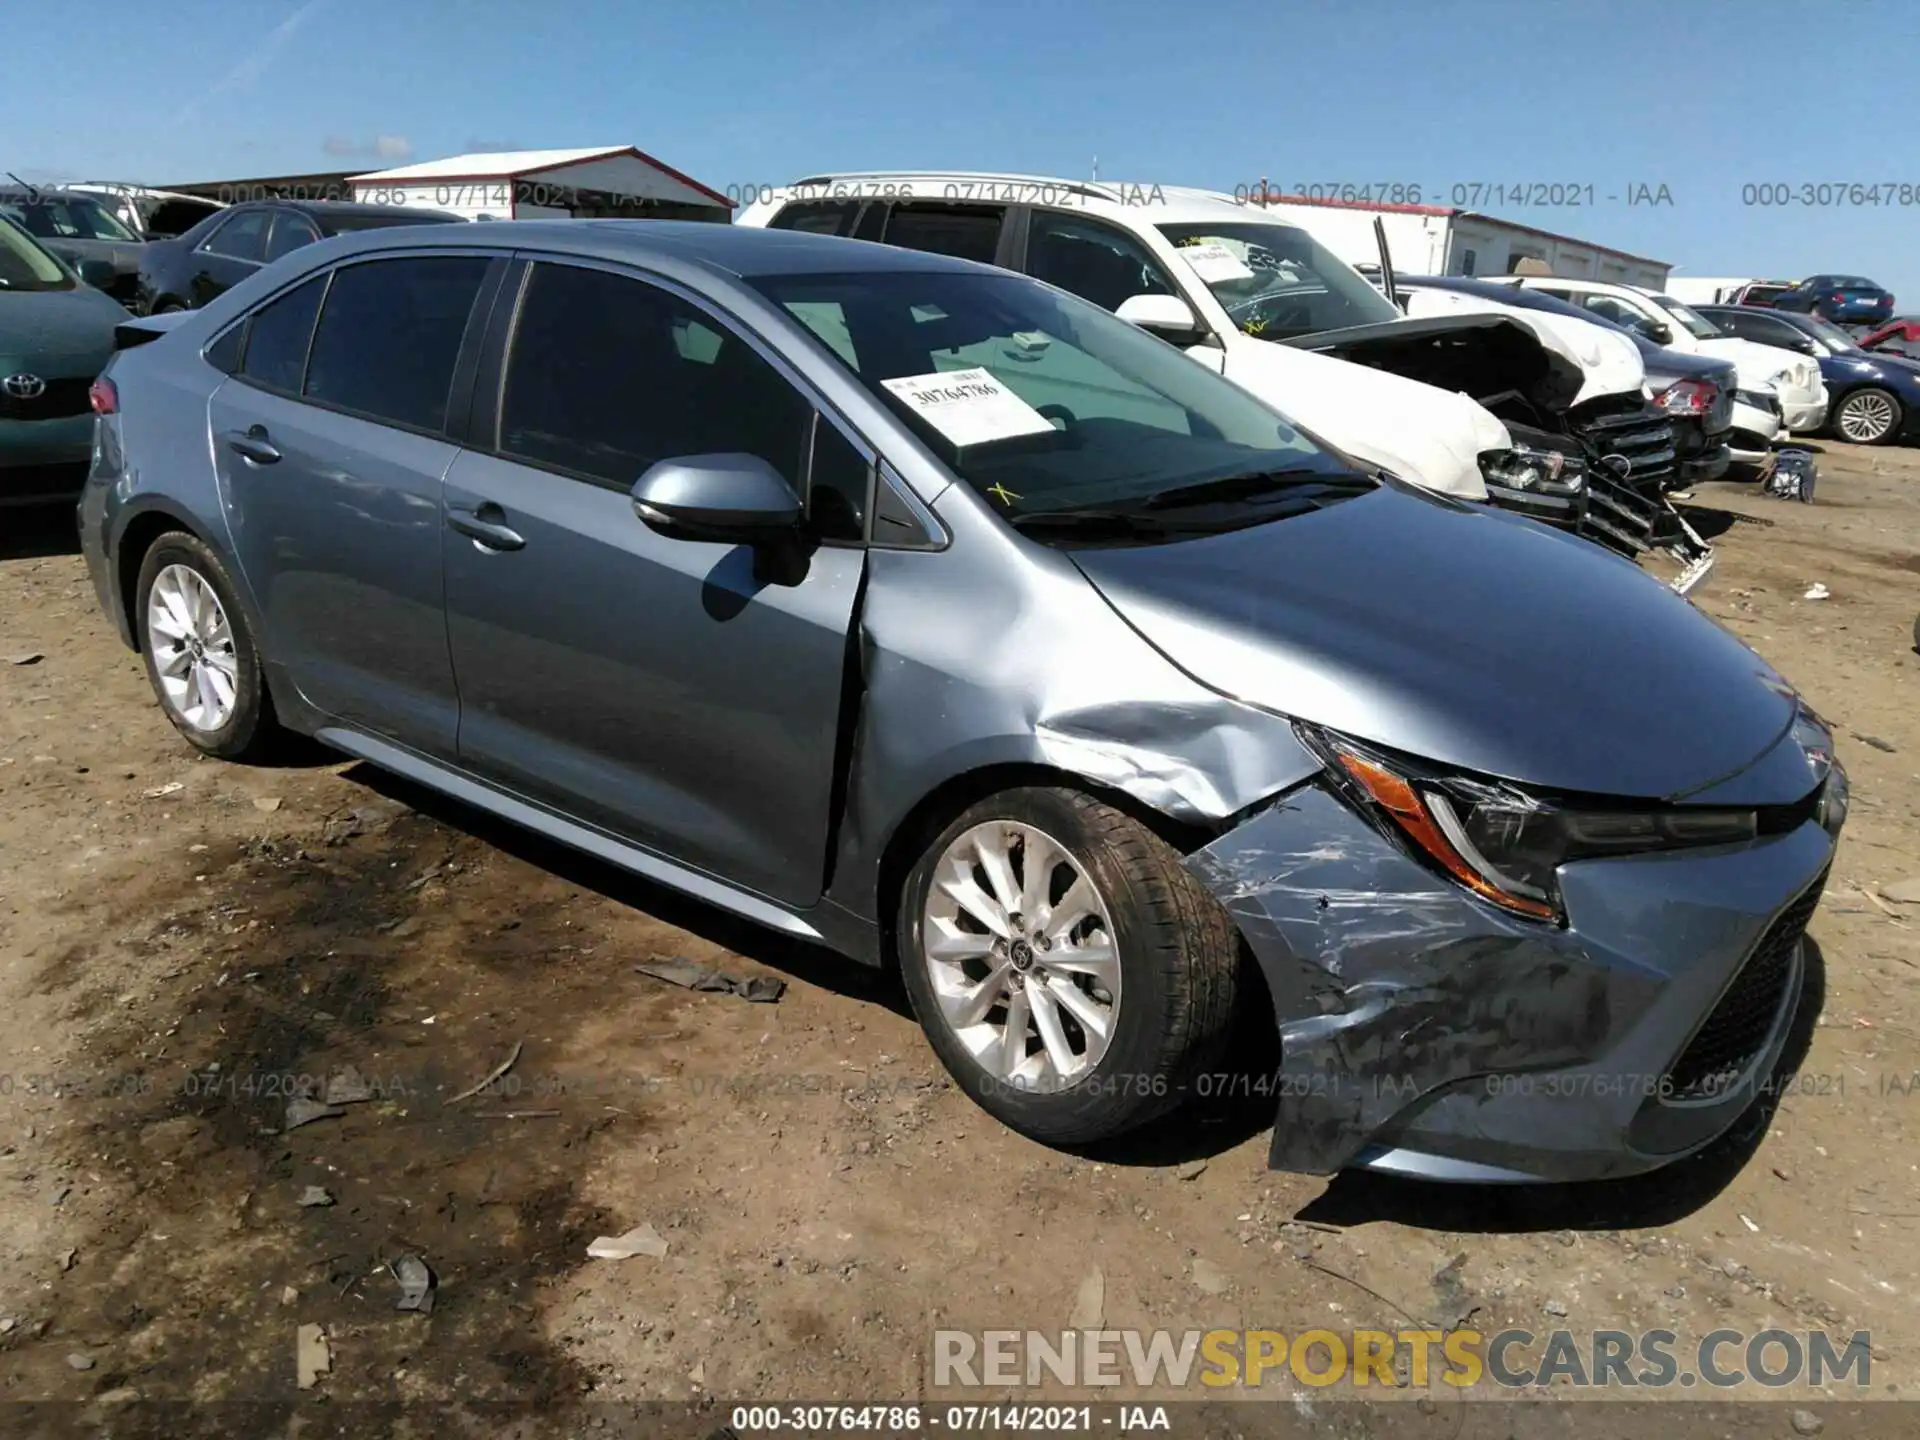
point(661, 688)
point(227, 256)
point(330, 439)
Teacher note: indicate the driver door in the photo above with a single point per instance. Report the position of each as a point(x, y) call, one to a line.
point(666, 690)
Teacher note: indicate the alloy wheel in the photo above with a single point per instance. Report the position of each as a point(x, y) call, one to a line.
point(1022, 955)
point(1866, 417)
point(192, 648)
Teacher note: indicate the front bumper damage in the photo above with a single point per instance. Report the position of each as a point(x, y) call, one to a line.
point(1425, 1032)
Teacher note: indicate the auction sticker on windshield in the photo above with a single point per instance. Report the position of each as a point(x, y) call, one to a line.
point(1215, 263)
point(969, 407)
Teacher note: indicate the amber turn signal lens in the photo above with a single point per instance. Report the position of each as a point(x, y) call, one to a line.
point(1410, 812)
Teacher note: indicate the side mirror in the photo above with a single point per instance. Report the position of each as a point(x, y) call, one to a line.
point(1660, 334)
point(97, 272)
point(1805, 346)
point(1168, 316)
point(717, 497)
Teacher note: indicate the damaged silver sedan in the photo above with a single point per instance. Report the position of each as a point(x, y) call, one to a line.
point(926, 612)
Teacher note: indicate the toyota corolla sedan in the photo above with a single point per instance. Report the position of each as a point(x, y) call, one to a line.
point(927, 612)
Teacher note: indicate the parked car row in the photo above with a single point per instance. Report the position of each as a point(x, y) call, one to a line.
point(929, 611)
point(1258, 299)
point(1842, 299)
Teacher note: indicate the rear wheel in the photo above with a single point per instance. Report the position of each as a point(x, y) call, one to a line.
point(201, 656)
point(1867, 417)
point(1070, 972)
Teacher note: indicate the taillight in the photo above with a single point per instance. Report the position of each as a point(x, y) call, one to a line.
point(1838, 298)
point(1688, 397)
point(104, 396)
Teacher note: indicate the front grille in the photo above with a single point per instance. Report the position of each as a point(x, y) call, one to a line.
point(1625, 511)
point(1724, 1048)
point(1762, 400)
point(61, 399)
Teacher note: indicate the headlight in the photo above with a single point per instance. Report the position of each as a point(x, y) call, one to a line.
point(1503, 844)
point(1525, 468)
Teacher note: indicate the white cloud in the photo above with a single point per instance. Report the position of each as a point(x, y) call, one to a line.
point(381, 147)
point(254, 63)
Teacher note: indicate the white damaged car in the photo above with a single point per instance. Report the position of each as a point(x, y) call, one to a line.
point(1258, 300)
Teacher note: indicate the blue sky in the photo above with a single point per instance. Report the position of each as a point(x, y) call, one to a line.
point(1702, 97)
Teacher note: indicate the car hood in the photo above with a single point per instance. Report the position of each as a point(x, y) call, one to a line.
point(1431, 437)
point(1609, 362)
point(57, 333)
point(1461, 635)
point(1756, 365)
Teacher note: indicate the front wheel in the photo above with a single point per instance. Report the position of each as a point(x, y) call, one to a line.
point(1070, 972)
point(1867, 417)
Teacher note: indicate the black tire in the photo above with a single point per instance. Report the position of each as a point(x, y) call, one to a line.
point(1882, 400)
point(251, 731)
point(1179, 958)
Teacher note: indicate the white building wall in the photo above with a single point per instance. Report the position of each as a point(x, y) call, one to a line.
point(1498, 246)
point(1464, 244)
point(469, 199)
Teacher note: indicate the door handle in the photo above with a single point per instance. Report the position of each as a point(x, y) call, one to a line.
point(487, 526)
point(252, 444)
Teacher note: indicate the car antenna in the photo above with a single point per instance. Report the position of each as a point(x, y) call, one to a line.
point(33, 191)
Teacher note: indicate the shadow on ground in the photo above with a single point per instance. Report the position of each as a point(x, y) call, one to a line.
point(32, 532)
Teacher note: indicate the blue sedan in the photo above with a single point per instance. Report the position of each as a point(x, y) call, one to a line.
point(1844, 299)
point(1872, 398)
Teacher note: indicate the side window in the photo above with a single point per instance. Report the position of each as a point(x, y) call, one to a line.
point(224, 353)
point(837, 485)
point(1618, 311)
point(604, 380)
point(290, 232)
point(967, 232)
point(1091, 259)
point(278, 336)
point(389, 335)
point(817, 217)
point(243, 237)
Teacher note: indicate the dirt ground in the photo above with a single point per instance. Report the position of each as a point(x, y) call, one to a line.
point(182, 941)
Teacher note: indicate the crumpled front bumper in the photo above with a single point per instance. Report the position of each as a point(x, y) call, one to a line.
point(1426, 1032)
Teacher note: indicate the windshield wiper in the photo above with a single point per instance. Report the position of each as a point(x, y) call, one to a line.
point(1255, 483)
point(1122, 523)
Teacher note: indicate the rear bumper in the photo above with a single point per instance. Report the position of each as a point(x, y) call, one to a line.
point(1707, 465)
point(1425, 1032)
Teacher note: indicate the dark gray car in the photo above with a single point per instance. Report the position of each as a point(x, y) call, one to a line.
point(928, 612)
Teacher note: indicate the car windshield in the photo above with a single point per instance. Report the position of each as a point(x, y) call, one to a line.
point(24, 265)
point(69, 217)
point(1695, 324)
point(1827, 333)
point(1044, 403)
point(1276, 281)
point(1850, 282)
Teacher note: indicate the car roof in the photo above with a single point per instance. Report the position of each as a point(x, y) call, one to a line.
point(1170, 204)
point(740, 250)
